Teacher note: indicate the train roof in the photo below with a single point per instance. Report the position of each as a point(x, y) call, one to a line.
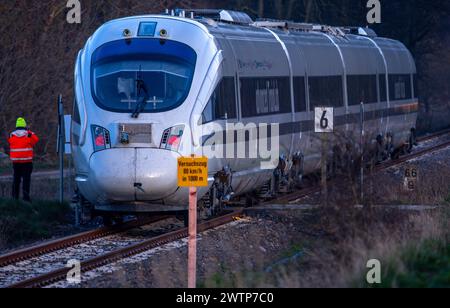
point(240, 24)
point(360, 48)
point(216, 21)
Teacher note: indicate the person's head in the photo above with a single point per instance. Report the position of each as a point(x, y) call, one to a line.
point(21, 123)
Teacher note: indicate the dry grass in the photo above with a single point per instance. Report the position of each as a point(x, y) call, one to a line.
point(41, 189)
point(323, 248)
point(326, 247)
point(347, 238)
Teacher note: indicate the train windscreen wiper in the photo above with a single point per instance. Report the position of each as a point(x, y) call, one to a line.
point(143, 96)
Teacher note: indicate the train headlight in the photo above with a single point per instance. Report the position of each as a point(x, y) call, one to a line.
point(101, 138)
point(171, 139)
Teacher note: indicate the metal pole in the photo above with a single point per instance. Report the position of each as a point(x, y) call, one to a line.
point(362, 152)
point(61, 146)
point(192, 254)
point(324, 166)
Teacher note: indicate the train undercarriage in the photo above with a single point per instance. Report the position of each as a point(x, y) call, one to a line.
point(342, 161)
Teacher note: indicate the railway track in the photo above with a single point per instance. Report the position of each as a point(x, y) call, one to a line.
point(291, 197)
point(121, 248)
point(56, 271)
point(59, 244)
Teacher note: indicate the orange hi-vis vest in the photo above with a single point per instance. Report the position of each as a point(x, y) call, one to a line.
point(21, 143)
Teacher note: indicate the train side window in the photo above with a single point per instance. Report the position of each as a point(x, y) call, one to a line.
point(300, 94)
point(76, 113)
point(222, 104)
point(326, 91)
point(362, 88)
point(265, 96)
point(400, 87)
point(77, 119)
point(383, 89)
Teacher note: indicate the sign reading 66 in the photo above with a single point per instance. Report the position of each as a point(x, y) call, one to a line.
point(324, 120)
point(411, 178)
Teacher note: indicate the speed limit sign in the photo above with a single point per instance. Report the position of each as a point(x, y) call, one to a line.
point(324, 119)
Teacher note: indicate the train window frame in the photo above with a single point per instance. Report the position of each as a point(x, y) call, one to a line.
point(300, 94)
point(76, 117)
point(128, 50)
point(362, 88)
point(257, 92)
point(319, 86)
point(400, 87)
point(225, 87)
point(76, 112)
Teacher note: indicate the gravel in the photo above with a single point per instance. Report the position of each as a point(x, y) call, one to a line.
point(251, 245)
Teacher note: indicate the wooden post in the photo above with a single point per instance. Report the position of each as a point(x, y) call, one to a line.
point(192, 255)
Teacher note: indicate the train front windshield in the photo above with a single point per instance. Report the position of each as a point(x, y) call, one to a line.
point(125, 73)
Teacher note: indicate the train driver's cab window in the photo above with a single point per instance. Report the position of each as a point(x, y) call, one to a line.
point(222, 104)
point(154, 75)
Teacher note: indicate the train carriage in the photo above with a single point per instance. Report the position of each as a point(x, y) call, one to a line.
point(151, 89)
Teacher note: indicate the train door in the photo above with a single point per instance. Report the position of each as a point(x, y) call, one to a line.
point(301, 135)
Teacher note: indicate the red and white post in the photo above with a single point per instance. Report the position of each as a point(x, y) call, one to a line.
point(192, 254)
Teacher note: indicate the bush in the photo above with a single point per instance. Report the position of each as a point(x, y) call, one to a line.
point(21, 222)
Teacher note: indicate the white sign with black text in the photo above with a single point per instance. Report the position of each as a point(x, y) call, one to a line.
point(324, 120)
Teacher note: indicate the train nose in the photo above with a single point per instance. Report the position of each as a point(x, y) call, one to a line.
point(130, 174)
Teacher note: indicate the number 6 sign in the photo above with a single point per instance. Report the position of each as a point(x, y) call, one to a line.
point(324, 120)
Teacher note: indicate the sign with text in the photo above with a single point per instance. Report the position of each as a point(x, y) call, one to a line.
point(411, 178)
point(193, 172)
point(324, 120)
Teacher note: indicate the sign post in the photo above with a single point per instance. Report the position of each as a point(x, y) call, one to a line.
point(192, 173)
point(411, 178)
point(362, 140)
point(61, 147)
point(324, 124)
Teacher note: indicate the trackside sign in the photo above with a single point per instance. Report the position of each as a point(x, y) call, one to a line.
point(193, 172)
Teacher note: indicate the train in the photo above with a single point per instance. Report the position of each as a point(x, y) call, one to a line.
point(151, 89)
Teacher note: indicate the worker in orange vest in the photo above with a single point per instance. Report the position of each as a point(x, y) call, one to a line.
point(21, 143)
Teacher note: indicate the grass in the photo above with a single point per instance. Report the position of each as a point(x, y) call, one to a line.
point(38, 165)
point(266, 275)
point(423, 266)
point(21, 222)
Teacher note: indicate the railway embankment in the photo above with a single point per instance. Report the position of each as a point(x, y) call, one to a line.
point(330, 245)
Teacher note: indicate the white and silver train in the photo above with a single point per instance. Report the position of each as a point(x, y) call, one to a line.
point(148, 87)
